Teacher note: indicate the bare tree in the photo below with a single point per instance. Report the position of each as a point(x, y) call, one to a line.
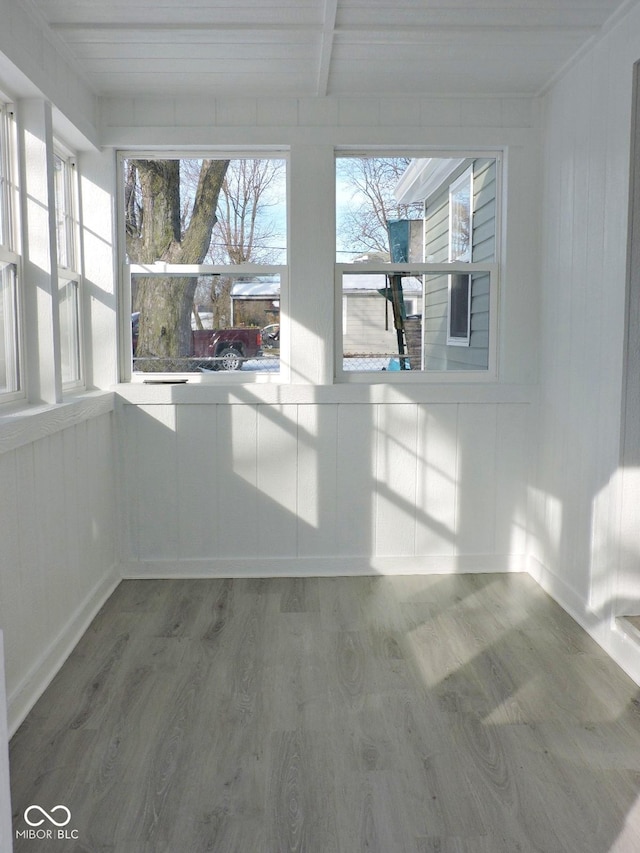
point(372, 180)
point(244, 231)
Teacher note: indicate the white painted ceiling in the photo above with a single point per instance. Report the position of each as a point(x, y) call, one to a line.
point(305, 48)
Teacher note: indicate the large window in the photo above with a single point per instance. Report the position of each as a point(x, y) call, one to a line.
point(205, 270)
point(10, 349)
point(416, 264)
point(69, 279)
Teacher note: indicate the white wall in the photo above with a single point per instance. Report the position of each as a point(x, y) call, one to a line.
point(261, 483)
point(578, 515)
point(59, 558)
point(58, 553)
point(35, 63)
point(288, 477)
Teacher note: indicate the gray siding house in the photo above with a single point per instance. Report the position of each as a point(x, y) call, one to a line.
point(459, 225)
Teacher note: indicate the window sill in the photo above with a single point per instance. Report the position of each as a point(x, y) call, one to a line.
point(22, 424)
point(291, 394)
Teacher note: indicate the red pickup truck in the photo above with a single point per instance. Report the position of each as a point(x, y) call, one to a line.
point(228, 349)
point(217, 349)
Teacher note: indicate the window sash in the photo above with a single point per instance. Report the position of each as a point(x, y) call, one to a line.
point(9, 332)
point(162, 270)
point(463, 269)
point(65, 220)
point(70, 331)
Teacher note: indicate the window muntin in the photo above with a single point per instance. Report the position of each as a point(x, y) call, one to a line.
point(232, 279)
point(437, 311)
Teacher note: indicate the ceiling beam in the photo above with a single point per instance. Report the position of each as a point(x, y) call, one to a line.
point(326, 46)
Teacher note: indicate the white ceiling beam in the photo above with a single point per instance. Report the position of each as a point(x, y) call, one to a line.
point(326, 46)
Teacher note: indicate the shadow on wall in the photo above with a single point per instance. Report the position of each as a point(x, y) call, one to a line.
point(245, 486)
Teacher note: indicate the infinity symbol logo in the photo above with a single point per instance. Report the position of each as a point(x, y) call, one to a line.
point(48, 816)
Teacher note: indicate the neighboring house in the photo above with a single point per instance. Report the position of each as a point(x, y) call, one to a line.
point(367, 316)
point(459, 198)
point(255, 302)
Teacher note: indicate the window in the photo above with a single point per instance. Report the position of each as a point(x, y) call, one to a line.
point(205, 268)
point(69, 314)
point(9, 338)
point(10, 344)
point(63, 171)
point(69, 279)
point(416, 264)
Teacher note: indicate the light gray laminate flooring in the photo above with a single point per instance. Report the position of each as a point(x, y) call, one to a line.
point(459, 714)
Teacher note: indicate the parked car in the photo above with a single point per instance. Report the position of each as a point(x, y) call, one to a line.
point(215, 349)
point(271, 339)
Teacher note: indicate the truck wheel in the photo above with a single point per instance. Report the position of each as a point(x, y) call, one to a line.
point(229, 359)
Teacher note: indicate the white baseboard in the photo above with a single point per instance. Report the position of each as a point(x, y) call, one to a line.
point(24, 696)
point(622, 646)
point(322, 566)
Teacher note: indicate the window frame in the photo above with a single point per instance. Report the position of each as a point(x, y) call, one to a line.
point(459, 267)
point(70, 272)
point(162, 269)
point(10, 255)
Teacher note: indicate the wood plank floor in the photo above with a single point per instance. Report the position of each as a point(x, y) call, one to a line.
point(459, 714)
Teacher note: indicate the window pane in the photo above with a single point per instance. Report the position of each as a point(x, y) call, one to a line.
point(169, 217)
point(63, 219)
point(365, 205)
point(5, 190)
point(232, 323)
point(459, 304)
point(9, 352)
point(401, 322)
point(460, 221)
point(69, 331)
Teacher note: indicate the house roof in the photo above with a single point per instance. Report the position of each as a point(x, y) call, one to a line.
point(423, 177)
point(355, 283)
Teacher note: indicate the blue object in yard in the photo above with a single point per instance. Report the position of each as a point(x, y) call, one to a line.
point(398, 230)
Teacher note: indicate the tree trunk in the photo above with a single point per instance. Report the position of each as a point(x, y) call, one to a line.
point(165, 304)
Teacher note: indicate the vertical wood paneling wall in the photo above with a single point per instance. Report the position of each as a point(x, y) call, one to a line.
point(332, 488)
point(577, 514)
point(59, 553)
